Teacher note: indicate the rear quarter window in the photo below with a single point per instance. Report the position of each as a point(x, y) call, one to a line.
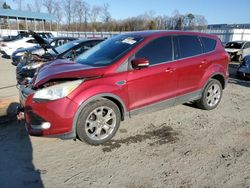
point(209, 44)
point(189, 46)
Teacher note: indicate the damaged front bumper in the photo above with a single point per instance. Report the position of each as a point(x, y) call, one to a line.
point(46, 118)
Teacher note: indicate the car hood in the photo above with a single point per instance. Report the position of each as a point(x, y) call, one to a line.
point(42, 42)
point(65, 69)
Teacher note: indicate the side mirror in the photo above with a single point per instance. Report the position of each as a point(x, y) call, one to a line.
point(139, 63)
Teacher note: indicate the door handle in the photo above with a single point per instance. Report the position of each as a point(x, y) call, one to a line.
point(170, 70)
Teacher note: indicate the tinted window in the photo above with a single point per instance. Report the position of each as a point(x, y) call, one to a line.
point(209, 44)
point(189, 46)
point(157, 51)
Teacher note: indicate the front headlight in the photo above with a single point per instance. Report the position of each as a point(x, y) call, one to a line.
point(57, 91)
point(32, 66)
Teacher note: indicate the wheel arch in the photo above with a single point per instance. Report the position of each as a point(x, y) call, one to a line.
point(114, 98)
point(220, 78)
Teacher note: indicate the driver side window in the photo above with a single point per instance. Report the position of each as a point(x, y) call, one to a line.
point(158, 51)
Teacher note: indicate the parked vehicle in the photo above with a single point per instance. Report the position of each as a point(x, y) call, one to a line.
point(238, 49)
point(244, 68)
point(121, 77)
point(40, 49)
point(6, 41)
point(9, 47)
point(31, 62)
point(21, 34)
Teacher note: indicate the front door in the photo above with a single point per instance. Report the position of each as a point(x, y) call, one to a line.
point(156, 82)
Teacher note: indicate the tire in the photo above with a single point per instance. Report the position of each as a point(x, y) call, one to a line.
point(98, 122)
point(211, 95)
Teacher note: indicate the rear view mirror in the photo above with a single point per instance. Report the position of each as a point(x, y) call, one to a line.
point(139, 63)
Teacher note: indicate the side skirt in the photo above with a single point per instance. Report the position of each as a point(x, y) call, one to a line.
point(167, 103)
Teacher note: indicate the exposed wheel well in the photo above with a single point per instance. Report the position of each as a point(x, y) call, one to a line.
point(117, 102)
point(221, 79)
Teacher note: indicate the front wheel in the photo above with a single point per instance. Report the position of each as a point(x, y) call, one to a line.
point(211, 95)
point(98, 122)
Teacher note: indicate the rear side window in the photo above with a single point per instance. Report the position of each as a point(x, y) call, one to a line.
point(157, 51)
point(189, 46)
point(209, 44)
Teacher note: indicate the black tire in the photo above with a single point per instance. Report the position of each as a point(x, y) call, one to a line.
point(90, 111)
point(204, 103)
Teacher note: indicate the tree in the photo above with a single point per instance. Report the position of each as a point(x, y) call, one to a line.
point(80, 11)
point(28, 7)
point(48, 4)
point(94, 15)
point(106, 16)
point(190, 18)
point(5, 23)
point(6, 6)
point(152, 25)
point(58, 12)
point(68, 8)
point(38, 6)
point(200, 22)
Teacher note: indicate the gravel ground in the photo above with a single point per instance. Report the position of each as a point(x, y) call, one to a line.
point(178, 147)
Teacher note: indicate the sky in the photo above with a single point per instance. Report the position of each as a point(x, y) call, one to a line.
point(215, 11)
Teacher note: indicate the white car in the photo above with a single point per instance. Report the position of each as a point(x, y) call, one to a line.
point(9, 47)
point(238, 49)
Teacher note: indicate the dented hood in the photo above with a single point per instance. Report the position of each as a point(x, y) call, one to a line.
point(63, 69)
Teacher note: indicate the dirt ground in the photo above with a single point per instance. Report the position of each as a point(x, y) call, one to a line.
point(179, 147)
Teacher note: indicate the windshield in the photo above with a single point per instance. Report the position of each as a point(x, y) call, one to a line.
point(235, 45)
point(108, 51)
point(64, 48)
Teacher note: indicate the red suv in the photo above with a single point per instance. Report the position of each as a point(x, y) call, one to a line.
point(121, 77)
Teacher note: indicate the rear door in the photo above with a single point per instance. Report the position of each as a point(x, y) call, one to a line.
point(192, 63)
point(156, 82)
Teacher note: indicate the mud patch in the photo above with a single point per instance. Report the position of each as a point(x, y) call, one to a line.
point(163, 135)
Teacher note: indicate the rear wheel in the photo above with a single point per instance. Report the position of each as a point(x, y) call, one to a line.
point(211, 95)
point(98, 121)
